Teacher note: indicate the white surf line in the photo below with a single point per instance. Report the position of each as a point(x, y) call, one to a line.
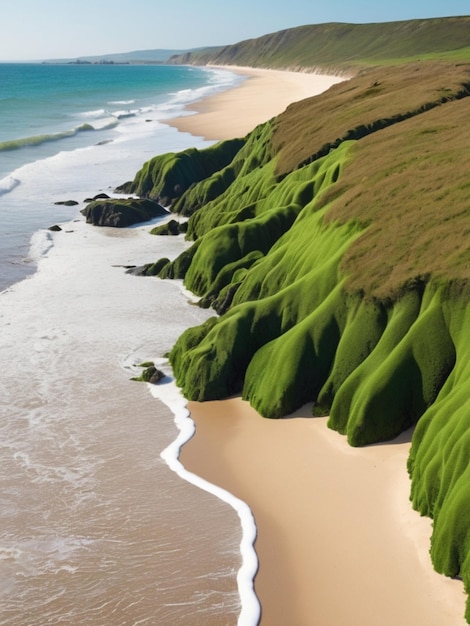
point(170, 395)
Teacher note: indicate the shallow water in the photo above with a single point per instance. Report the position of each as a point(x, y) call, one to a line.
point(95, 528)
point(44, 159)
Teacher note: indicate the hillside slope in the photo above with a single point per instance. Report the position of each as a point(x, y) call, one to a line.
point(343, 47)
point(333, 241)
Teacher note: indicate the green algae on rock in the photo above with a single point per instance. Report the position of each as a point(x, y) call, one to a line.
point(166, 177)
point(343, 276)
point(119, 213)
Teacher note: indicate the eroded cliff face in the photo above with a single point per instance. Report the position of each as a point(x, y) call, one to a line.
point(343, 278)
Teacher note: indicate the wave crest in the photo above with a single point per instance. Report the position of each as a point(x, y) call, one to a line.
point(37, 140)
point(41, 243)
point(7, 184)
point(95, 113)
point(120, 102)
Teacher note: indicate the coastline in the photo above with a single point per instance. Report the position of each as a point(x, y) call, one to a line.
point(263, 95)
point(95, 527)
point(282, 584)
point(338, 541)
point(170, 395)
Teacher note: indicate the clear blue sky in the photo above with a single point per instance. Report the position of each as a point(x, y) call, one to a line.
point(44, 29)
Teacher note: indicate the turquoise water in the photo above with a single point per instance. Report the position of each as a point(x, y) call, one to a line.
point(40, 104)
point(66, 127)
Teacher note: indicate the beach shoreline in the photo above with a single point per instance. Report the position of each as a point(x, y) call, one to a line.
point(338, 541)
point(264, 94)
point(293, 585)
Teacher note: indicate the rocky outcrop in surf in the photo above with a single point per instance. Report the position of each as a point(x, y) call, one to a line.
point(121, 213)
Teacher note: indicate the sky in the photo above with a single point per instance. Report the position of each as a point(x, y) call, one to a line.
point(51, 29)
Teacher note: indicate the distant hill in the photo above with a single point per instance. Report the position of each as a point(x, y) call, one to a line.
point(137, 56)
point(346, 47)
point(329, 47)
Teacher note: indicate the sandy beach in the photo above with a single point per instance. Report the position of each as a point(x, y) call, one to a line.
point(264, 94)
point(338, 542)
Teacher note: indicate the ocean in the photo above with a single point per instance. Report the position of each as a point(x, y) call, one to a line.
point(71, 128)
point(99, 523)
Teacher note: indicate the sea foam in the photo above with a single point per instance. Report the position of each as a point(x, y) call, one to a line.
point(7, 184)
point(170, 395)
point(41, 243)
point(37, 140)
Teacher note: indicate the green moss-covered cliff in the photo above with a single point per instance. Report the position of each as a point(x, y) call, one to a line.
point(334, 243)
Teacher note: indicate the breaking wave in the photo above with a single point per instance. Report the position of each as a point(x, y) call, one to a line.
point(37, 140)
point(7, 184)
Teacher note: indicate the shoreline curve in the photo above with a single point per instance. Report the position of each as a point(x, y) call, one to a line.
point(237, 110)
point(250, 607)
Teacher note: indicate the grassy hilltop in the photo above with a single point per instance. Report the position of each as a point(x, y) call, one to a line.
point(344, 47)
point(333, 241)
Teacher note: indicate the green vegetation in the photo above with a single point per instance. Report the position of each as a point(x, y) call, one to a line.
point(439, 455)
point(374, 100)
point(150, 374)
point(345, 47)
point(333, 242)
point(120, 213)
point(165, 177)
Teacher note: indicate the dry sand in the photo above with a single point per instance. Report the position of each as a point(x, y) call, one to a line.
point(264, 94)
point(338, 543)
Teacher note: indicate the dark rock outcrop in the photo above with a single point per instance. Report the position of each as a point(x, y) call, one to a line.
point(170, 228)
point(149, 269)
point(150, 375)
point(67, 202)
point(121, 213)
point(99, 196)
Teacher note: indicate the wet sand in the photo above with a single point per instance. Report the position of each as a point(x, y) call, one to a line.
point(338, 542)
point(264, 94)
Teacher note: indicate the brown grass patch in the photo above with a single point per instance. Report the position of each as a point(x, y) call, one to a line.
point(410, 184)
point(371, 100)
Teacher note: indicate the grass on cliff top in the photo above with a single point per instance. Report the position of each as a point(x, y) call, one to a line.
point(410, 186)
point(406, 180)
point(459, 55)
point(345, 47)
point(351, 109)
